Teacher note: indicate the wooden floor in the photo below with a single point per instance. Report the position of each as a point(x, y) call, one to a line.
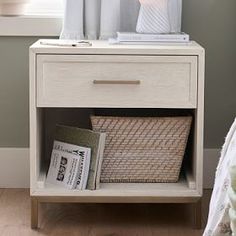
point(96, 219)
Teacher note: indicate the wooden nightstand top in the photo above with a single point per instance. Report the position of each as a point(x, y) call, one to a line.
point(103, 47)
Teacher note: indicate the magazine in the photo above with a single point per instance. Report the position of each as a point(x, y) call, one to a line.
point(66, 166)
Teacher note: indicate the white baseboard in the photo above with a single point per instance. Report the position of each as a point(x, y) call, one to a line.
point(14, 167)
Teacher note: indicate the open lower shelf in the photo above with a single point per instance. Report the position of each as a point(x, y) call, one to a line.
point(120, 192)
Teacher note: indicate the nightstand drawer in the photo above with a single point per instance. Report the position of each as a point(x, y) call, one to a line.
point(116, 81)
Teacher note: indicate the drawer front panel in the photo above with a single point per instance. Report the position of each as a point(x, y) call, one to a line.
point(116, 81)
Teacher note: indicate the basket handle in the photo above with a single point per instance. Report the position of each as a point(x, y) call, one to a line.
point(129, 82)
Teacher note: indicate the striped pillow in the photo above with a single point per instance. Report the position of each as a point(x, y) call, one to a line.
point(153, 17)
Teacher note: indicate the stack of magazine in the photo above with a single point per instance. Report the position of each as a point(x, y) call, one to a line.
point(137, 38)
point(76, 158)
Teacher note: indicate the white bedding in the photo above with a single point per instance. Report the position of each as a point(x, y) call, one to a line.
point(232, 199)
point(218, 219)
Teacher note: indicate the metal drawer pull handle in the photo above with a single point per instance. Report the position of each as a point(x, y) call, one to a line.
point(117, 82)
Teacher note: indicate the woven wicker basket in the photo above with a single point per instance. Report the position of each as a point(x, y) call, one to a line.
point(142, 150)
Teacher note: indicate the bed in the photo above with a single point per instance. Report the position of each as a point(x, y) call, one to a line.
point(222, 212)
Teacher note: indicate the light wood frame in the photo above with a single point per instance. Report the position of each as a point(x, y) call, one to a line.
point(187, 190)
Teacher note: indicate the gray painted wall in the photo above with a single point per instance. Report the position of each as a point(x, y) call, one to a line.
point(14, 118)
point(210, 22)
point(213, 24)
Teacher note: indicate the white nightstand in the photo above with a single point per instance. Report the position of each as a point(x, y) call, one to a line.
point(115, 76)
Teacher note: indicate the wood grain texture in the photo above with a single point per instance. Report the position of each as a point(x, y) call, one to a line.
point(68, 81)
point(34, 213)
point(197, 211)
point(171, 76)
point(97, 219)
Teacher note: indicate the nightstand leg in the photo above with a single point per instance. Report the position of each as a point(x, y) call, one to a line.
point(34, 213)
point(197, 212)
